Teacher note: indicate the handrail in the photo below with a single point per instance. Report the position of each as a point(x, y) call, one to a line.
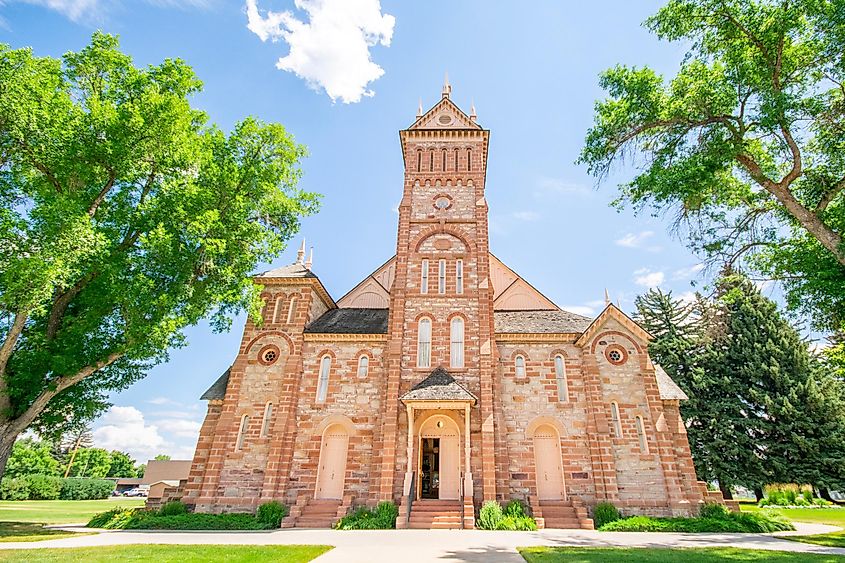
point(412, 494)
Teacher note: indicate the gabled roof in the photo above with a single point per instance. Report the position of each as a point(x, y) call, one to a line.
point(217, 391)
point(439, 386)
point(612, 311)
point(445, 114)
point(295, 270)
point(669, 390)
point(350, 321)
point(512, 293)
point(539, 322)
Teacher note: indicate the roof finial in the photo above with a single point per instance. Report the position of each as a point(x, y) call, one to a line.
point(447, 88)
point(300, 255)
point(419, 110)
point(606, 297)
point(310, 259)
point(472, 114)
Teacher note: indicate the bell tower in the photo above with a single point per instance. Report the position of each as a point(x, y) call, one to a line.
point(442, 274)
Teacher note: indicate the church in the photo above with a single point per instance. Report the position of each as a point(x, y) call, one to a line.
point(442, 380)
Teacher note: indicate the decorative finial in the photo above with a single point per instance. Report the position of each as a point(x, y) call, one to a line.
point(300, 255)
point(310, 258)
point(606, 297)
point(419, 110)
point(472, 114)
point(447, 88)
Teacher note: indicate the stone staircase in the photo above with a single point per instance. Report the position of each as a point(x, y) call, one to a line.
point(436, 514)
point(562, 514)
point(716, 497)
point(314, 514)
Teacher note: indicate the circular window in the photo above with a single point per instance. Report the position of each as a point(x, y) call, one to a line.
point(268, 355)
point(442, 203)
point(616, 354)
point(444, 119)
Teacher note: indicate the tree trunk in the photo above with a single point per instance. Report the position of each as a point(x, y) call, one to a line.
point(726, 490)
point(7, 442)
point(824, 492)
point(758, 493)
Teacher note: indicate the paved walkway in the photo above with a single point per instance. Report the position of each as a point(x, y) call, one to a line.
point(410, 546)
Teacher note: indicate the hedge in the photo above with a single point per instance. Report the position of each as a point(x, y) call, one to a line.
point(173, 516)
point(747, 522)
point(47, 487)
point(513, 517)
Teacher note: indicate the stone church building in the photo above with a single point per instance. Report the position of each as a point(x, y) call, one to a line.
point(442, 380)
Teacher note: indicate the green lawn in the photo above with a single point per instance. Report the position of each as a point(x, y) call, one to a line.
point(831, 516)
point(28, 531)
point(171, 553)
point(642, 555)
point(60, 511)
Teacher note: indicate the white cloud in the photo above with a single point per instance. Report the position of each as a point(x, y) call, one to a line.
point(331, 51)
point(548, 186)
point(647, 278)
point(632, 240)
point(125, 429)
point(687, 296)
point(579, 309)
point(687, 273)
point(526, 215)
point(77, 10)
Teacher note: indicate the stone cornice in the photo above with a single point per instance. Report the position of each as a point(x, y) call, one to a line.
point(539, 337)
point(313, 282)
point(333, 337)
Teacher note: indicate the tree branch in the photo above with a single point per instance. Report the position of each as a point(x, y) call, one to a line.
point(9, 344)
point(830, 195)
point(102, 195)
point(61, 302)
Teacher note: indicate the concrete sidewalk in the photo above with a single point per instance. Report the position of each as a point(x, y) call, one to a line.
point(410, 546)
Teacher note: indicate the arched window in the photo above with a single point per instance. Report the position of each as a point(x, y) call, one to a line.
point(459, 276)
point(239, 443)
point(323, 382)
point(641, 435)
point(424, 343)
point(444, 160)
point(441, 277)
point(469, 160)
point(431, 160)
point(419, 160)
point(424, 280)
point(291, 309)
point(560, 378)
point(277, 309)
point(363, 365)
point(519, 366)
point(456, 160)
point(456, 337)
point(614, 420)
point(265, 422)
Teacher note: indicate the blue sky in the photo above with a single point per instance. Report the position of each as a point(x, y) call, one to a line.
point(530, 68)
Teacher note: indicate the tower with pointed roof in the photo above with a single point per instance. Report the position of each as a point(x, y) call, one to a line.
point(442, 380)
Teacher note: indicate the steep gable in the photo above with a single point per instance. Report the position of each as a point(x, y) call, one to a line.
point(512, 293)
point(374, 291)
point(445, 115)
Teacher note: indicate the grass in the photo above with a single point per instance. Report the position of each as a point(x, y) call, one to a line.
point(836, 539)
point(830, 516)
point(644, 555)
point(28, 531)
point(170, 554)
point(60, 511)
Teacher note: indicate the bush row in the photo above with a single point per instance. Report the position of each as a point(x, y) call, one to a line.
point(175, 516)
point(513, 517)
point(712, 518)
point(382, 518)
point(48, 487)
point(792, 497)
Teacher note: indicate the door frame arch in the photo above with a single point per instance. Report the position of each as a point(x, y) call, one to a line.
point(534, 427)
point(326, 429)
point(424, 432)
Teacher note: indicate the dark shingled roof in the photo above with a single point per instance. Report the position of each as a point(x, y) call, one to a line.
point(218, 389)
point(540, 322)
point(295, 270)
point(438, 386)
point(350, 321)
point(668, 388)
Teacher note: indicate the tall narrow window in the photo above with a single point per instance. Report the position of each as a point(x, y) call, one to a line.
point(456, 160)
point(614, 420)
point(560, 378)
point(456, 337)
point(277, 309)
point(444, 160)
point(459, 276)
point(265, 422)
point(419, 161)
point(641, 435)
point(323, 382)
point(363, 365)
point(424, 343)
point(469, 160)
point(441, 277)
point(424, 280)
point(519, 367)
point(239, 443)
point(291, 309)
point(431, 160)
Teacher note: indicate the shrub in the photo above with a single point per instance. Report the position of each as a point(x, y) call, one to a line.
point(713, 510)
point(515, 509)
point(790, 497)
point(86, 489)
point(382, 518)
point(730, 522)
point(490, 515)
point(525, 524)
point(140, 519)
point(604, 513)
point(821, 502)
point(14, 488)
point(271, 513)
point(173, 508)
point(808, 496)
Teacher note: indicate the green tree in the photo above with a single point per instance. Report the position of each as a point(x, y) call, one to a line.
point(91, 462)
point(30, 457)
point(746, 143)
point(162, 457)
point(122, 465)
point(124, 217)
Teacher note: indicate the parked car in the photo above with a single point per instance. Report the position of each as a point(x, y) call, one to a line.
point(136, 492)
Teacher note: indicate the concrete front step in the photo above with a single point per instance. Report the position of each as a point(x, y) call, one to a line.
point(431, 514)
point(562, 523)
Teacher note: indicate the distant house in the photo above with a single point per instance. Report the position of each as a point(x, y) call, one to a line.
point(125, 483)
point(161, 477)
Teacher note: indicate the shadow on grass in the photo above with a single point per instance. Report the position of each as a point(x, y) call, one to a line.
point(29, 531)
point(664, 555)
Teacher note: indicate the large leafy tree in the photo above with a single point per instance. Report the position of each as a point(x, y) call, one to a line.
point(746, 143)
point(31, 456)
point(124, 217)
point(122, 465)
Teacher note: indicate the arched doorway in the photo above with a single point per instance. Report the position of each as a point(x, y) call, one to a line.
point(548, 463)
point(331, 472)
point(439, 459)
